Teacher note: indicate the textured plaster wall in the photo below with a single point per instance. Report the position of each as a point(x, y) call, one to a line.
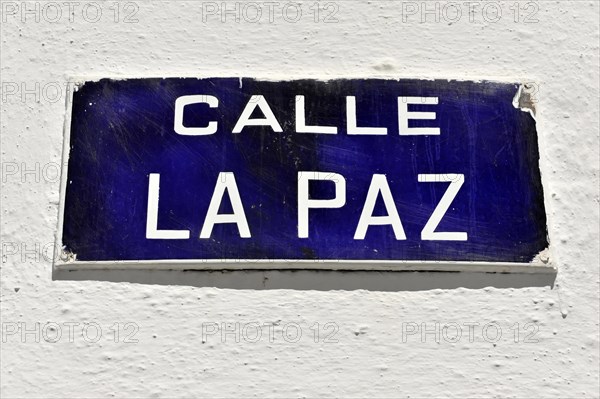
point(373, 355)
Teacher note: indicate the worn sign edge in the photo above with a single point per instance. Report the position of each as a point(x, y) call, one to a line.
point(63, 260)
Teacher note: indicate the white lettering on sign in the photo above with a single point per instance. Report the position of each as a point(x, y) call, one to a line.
point(268, 120)
point(379, 183)
point(259, 101)
point(226, 181)
point(305, 203)
point(152, 232)
point(379, 186)
point(181, 102)
point(352, 127)
point(301, 126)
point(404, 116)
point(429, 233)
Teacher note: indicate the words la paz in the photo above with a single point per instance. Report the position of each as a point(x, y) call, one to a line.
point(379, 187)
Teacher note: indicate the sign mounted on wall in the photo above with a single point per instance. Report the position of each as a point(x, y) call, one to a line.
point(230, 173)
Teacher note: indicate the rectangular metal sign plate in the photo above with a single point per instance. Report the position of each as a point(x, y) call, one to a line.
point(362, 171)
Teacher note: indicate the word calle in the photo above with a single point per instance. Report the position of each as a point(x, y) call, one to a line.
point(352, 128)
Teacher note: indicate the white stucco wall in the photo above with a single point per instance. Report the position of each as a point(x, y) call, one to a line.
point(373, 355)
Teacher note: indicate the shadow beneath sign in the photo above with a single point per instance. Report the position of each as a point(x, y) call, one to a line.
point(321, 280)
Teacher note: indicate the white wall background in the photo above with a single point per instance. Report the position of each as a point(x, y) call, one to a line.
point(560, 51)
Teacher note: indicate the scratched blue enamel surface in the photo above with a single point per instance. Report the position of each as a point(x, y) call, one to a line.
point(122, 131)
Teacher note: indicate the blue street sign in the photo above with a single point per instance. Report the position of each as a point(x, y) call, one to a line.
point(348, 169)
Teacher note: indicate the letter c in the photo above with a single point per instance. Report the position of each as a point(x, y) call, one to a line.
point(181, 102)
